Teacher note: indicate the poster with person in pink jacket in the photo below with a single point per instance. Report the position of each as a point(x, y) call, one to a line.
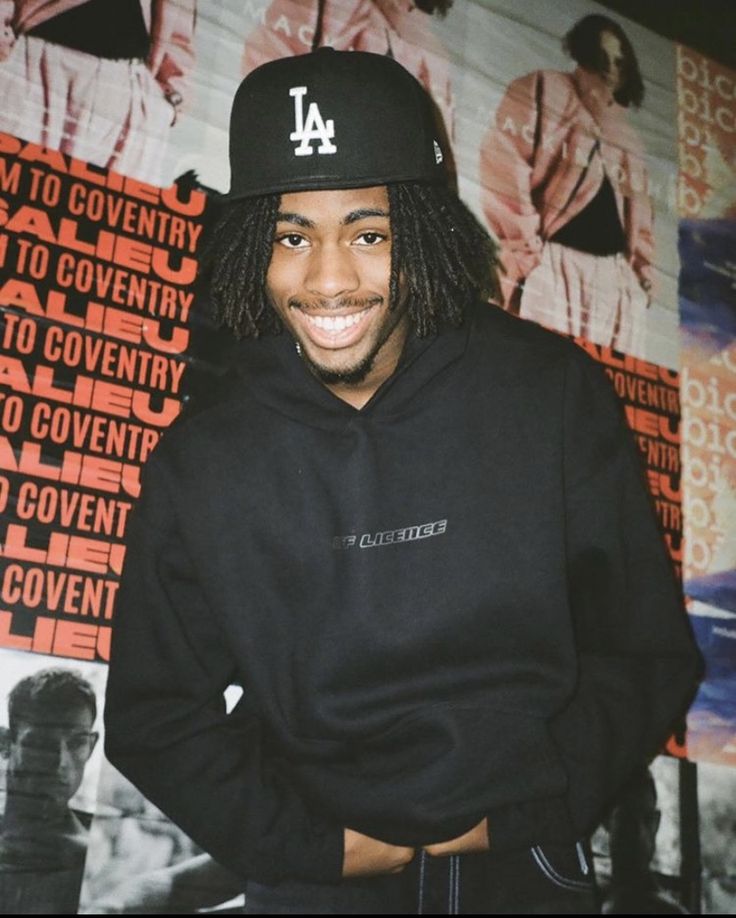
point(99, 81)
point(565, 191)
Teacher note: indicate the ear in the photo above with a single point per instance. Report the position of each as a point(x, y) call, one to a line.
point(95, 737)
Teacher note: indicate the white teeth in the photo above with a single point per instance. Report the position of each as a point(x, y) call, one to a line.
point(337, 323)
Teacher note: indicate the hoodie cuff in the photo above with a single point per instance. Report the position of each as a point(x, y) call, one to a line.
point(318, 862)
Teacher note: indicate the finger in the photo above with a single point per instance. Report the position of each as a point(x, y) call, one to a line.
point(435, 850)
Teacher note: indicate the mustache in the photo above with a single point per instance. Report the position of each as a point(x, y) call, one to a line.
point(344, 302)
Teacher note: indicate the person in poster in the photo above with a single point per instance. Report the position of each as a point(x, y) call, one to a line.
point(447, 675)
point(565, 192)
point(99, 81)
point(43, 840)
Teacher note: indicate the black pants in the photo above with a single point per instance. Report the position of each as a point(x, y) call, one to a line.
point(539, 881)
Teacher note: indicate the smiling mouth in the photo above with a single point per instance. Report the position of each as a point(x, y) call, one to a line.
point(337, 324)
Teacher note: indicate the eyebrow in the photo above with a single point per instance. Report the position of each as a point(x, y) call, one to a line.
point(353, 217)
point(363, 212)
point(297, 219)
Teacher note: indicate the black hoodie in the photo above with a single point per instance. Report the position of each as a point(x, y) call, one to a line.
point(453, 603)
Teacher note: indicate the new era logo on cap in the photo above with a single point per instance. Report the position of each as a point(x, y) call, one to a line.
point(314, 128)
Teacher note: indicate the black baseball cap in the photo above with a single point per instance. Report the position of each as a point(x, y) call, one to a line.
point(332, 119)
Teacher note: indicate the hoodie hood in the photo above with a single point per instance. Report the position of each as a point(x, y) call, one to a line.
point(271, 371)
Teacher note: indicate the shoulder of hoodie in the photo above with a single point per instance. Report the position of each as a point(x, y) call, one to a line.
point(214, 414)
point(524, 351)
point(545, 368)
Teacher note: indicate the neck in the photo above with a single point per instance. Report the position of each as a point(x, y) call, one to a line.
point(23, 808)
point(358, 394)
point(593, 91)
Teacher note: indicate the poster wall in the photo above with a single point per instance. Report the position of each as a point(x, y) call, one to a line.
point(707, 304)
point(113, 142)
point(97, 299)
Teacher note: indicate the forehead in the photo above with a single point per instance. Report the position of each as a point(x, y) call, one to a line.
point(77, 717)
point(610, 42)
point(333, 206)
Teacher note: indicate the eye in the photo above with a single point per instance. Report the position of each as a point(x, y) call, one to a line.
point(370, 237)
point(80, 743)
point(292, 240)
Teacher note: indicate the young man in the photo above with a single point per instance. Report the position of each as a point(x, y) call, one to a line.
point(413, 529)
point(43, 841)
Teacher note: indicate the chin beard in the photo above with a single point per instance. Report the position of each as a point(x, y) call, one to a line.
point(355, 375)
point(350, 376)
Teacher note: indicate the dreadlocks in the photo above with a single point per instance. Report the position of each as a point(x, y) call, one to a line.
point(238, 257)
point(443, 253)
point(446, 256)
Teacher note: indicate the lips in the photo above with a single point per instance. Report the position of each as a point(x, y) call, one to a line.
point(335, 331)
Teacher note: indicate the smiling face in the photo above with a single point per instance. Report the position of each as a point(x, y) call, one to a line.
point(328, 280)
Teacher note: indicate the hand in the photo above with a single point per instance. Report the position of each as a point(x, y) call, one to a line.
point(149, 893)
point(175, 100)
point(7, 39)
point(472, 842)
point(366, 857)
point(646, 286)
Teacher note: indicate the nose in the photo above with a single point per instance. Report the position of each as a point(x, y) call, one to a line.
point(66, 758)
point(331, 272)
point(54, 757)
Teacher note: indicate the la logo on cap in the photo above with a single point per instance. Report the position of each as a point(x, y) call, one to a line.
point(313, 129)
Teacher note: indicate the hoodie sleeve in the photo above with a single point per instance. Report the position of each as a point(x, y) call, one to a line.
point(637, 663)
point(166, 725)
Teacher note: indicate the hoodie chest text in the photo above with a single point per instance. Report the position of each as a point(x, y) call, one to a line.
point(390, 536)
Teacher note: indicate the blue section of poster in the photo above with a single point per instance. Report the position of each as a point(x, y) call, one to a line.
point(708, 317)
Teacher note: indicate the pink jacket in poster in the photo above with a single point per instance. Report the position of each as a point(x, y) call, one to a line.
point(539, 168)
point(170, 24)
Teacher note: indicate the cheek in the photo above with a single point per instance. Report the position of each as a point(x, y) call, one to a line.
point(376, 275)
point(281, 279)
point(76, 774)
point(285, 274)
